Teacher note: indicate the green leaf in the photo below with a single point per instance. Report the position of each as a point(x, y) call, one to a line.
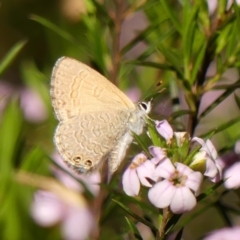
point(138, 218)
point(170, 13)
point(232, 45)
point(189, 25)
point(173, 59)
point(163, 66)
point(142, 36)
point(154, 135)
point(11, 55)
point(36, 161)
point(198, 61)
point(134, 229)
point(10, 129)
point(222, 127)
point(141, 143)
point(180, 113)
point(223, 38)
point(229, 90)
point(46, 23)
point(209, 191)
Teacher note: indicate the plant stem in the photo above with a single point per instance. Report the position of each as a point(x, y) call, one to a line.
point(117, 18)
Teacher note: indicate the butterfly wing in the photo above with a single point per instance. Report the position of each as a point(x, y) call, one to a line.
point(78, 89)
point(86, 141)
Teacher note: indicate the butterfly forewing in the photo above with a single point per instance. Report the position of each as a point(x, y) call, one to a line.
point(78, 89)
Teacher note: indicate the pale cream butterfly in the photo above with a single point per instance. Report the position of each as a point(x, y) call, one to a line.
point(95, 118)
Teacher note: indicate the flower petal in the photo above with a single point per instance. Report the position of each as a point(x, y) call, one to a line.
point(47, 209)
point(198, 140)
point(219, 167)
point(183, 200)
point(181, 137)
point(224, 234)
point(146, 170)
point(211, 169)
point(161, 194)
point(130, 181)
point(158, 154)
point(164, 129)
point(232, 176)
point(183, 169)
point(165, 169)
point(211, 149)
point(78, 217)
point(194, 181)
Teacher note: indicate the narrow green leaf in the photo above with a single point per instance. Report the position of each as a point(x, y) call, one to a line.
point(142, 36)
point(180, 113)
point(134, 229)
point(222, 127)
point(154, 134)
point(189, 25)
point(151, 64)
point(11, 55)
point(172, 58)
point(198, 62)
point(138, 218)
point(141, 143)
point(10, 129)
point(229, 90)
point(209, 191)
point(233, 41)
point(46, 23)
point(193, 216)
point(169, 11)
point(223, 38)
point(36, 161)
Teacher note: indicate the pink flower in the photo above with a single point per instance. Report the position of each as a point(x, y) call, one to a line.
point(232, 177)
point(164, 129)
point(138, 172)
point(177, 189)
point(231, 168)
point(49, 209)
point(224, 234)
point(158, 154)
point(213, 163)
point(31, 103)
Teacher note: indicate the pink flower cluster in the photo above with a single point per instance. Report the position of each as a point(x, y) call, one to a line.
point(169, 172)
point(75, 218)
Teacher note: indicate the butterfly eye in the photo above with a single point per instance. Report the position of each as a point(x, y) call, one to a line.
point(77, 159)
point(146, 107)
point(88, 163)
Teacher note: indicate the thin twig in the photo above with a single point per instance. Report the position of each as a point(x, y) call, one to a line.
point(118, 18)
